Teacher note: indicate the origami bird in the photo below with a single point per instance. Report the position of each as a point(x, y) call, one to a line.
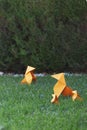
point(61, 88)
point(29, 75)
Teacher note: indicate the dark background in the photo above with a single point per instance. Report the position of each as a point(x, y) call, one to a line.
point(50, 35)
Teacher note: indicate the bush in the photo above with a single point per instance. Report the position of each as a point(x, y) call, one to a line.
point(49, 35)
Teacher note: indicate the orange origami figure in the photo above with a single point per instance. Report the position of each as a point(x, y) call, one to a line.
point(29, 76)
point(61, 88)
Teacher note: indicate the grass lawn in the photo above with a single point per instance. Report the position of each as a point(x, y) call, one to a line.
point(24, 107)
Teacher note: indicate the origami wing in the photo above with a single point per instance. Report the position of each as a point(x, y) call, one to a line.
point(58, 88)
point(28, 78)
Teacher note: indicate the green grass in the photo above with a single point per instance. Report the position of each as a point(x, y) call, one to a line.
point(24, 107)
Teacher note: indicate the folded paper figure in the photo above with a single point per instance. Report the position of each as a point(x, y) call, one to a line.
point(29, 75)
point(61, 88)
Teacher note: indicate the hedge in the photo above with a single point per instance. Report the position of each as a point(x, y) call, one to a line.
point(50, 35)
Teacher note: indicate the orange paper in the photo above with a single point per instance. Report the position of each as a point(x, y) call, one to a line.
point(54, 99)
point(61, 88)
point(60, 85)
point(29, 76)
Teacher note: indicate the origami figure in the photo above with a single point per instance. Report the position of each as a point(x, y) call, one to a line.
point(61, 88)
point(29, 75)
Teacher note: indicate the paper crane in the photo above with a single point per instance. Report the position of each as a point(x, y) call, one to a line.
point(61, 88)
point(29, 76)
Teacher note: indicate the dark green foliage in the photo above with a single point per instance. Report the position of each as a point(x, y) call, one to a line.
point(50, 35)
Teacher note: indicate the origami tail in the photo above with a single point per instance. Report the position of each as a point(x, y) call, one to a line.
point(75, 96)
point(54, 99)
